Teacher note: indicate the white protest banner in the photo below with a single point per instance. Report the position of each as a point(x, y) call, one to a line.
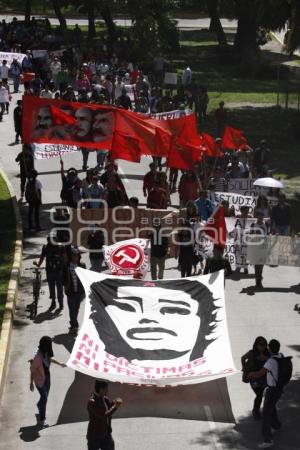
point(9, 57)
point(170, 78)
point(235, 200)
point(171, 114)
point(236, 242)
point(47, 151)
point(39, 54)
point(273, 250)
point(243, 186)
point(165, 332)
point(130, 257)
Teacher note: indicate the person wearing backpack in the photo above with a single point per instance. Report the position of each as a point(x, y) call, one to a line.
point(278, 370)
point(54, 254)
point(33, 196)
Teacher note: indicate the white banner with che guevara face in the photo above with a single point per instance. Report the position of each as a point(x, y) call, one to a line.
point(165, 332)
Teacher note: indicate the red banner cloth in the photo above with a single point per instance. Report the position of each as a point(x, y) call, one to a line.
point(129, 135)
point(234, 139)
point(215, 227)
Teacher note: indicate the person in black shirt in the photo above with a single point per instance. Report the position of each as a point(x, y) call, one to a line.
point(25, 159)
point(95, 242)
point(217, 262)
point(124, 100)
point(73, 287)
point(159, 252)
point(55, 262)
point(18, 121)
point(185, 249)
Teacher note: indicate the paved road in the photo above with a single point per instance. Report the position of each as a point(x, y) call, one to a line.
point(212, 416)
point(182, 23)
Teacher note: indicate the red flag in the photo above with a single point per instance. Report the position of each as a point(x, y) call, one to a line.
point(180, 157)
point(234, 139)
point(215, 227)
point(210, 146)
point(125, 147)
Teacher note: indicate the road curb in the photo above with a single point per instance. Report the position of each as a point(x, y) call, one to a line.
point(13, 285)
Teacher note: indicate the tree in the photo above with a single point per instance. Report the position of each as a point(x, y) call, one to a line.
point(56, 4)
point(215, 22)
point(27, 17)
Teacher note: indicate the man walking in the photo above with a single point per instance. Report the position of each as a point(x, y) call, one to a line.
point(100, 409)
point(159, 251)
point(73, 288)
point(55, 262)
point(273, 392)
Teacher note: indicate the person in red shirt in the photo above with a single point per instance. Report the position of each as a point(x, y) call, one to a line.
point(221, 119)
point(188, 188)
point(149, 179)
point(134, 75)
point(100, 409)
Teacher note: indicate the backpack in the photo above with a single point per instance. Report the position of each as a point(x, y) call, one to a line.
point(285, 370)
point(30, 191)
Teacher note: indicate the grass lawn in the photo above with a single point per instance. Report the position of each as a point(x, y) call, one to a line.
point(7, 241)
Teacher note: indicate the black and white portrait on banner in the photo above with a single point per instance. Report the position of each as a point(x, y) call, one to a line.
point(164, 332)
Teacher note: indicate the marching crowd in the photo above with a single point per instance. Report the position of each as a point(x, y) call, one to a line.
point(105, 77)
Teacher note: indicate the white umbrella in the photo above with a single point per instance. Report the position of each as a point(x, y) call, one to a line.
point(268, 182)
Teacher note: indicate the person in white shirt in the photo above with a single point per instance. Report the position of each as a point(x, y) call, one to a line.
point(186, 76)
point(46, 93)
point(55, 68)
point(118, 87)
point(273, 393)
point(4, 99)
point(4, 71)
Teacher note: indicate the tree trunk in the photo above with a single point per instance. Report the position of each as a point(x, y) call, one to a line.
point(111, 27)
point(59, 15)
point(215, 22)
point(27, 12)
point(91, 18)
point(245, 41)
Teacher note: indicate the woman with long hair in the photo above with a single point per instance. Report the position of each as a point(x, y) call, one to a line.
point(40, 374)
point(254, 360)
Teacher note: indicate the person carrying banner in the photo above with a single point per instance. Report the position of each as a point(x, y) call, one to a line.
point(281, 217)
point(100, 409)
point(73, 287)
point(278, 371)
point(261, 229)
point(40, 375)
point(185, 249)
point(254, 360)
point(217, 262)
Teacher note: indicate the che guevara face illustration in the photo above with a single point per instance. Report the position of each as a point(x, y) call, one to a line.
point(139, 320)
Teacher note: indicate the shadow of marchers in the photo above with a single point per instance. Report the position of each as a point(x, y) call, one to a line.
point(65, 339)
point(251, 290)
point(30, 434)
point(46, 315)
point(181, 402)
point(246, 434)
